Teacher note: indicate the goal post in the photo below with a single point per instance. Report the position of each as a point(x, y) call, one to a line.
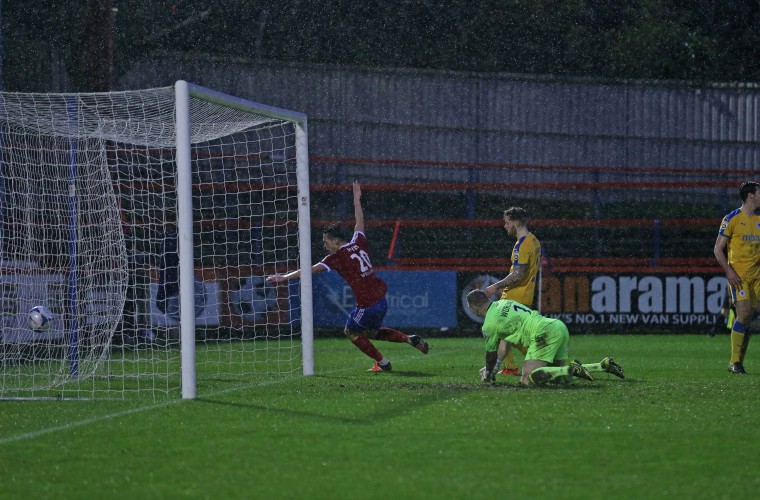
point(146, 221)
point(183, 92)
point(185, 240)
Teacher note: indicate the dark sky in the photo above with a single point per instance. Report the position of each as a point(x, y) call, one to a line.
point(700, 40)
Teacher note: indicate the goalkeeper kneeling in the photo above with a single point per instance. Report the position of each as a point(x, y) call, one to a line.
point(547, 340)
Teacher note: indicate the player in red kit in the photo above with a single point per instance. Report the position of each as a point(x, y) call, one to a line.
point(350, 259)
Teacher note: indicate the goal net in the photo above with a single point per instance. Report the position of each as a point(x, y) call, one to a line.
point(146, 222)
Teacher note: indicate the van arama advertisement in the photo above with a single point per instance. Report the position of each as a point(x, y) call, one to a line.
point(623, 303)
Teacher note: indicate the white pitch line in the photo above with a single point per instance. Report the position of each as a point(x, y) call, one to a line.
point(88, 421)
point(72, 425)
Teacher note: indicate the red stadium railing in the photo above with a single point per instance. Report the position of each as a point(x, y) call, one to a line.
point(524, 186)
point(654, 264)
point(680, 171)
point(613, 265)
point(558, 223)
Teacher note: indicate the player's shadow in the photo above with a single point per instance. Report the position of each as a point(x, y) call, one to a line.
point(591, 386)
point(373, 415)
point(408, 373)
point(283, 411)
point(392, 374)
point(597, 384)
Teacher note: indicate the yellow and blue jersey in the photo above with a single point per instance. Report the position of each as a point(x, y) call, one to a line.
point(526, 252)
point(743, 233)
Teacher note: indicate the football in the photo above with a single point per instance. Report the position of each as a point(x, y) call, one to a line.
point(39, 318)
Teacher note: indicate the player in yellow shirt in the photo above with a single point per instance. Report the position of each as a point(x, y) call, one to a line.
point(520, 284)
point(740, 234)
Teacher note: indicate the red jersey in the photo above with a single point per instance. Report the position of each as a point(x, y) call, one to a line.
point(352, 262)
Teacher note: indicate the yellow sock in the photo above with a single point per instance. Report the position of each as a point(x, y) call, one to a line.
point(509, 360)
point(743, 349)
point(737, 341)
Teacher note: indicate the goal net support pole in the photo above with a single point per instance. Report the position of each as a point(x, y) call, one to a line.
point(304, 235)
point(71, 109)
point(185, 240)
point(183, 92)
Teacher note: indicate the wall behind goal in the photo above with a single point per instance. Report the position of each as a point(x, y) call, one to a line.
point(464, 117)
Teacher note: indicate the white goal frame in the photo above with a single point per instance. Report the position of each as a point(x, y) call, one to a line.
point(183, 92)
point(147, 221)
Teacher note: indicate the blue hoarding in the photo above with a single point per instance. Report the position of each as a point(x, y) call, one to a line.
point(416, 299)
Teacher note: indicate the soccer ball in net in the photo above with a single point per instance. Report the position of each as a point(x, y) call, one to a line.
point(40, 318)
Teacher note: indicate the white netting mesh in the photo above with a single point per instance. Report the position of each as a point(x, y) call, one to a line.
point(88, 212)
point(108, 118)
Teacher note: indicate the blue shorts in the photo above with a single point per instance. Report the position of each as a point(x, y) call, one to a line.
point(370, 318)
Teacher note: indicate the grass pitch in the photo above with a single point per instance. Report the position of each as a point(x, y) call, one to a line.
point(678, 426)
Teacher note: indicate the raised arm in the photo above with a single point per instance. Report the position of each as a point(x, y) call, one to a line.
point(358, 212)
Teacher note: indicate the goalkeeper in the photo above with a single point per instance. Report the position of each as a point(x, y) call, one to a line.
point(547, 340)
point(520, 283)
point(350, 258)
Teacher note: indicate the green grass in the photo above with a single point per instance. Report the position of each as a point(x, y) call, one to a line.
point(678, 426)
